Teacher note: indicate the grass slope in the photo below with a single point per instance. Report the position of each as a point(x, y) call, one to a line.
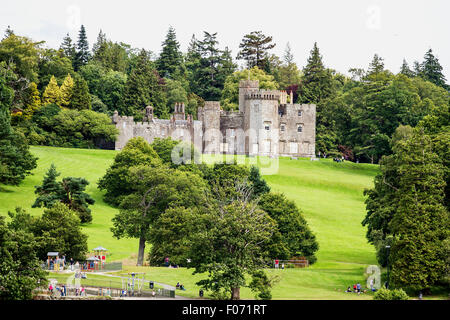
point(329, 194)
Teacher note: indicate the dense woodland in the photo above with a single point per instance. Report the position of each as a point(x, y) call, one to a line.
point(65, 97)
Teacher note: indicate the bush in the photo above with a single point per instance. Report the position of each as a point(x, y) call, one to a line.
point(386, 294)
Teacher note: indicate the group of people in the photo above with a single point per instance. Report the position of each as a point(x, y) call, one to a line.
point(336, 159)
point(356, 289)
point(180, 286)
point(63, 290)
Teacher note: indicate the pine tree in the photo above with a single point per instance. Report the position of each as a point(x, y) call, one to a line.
point(69, 191)
point(431, 70)
point(170, 58)
point(254, 49)
point(81, 98)
point(376, 66)
point(66, 91)
point(288, 73)
point(99, 45)
point(52, 93)
point(32, 101)
point(316, 80)
point(144, 87)
point(50, 191)
point(406, 70)
point(82, 55)
point(68, 48)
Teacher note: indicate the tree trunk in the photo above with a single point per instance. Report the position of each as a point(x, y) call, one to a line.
point(140, 260)
point(235, 294)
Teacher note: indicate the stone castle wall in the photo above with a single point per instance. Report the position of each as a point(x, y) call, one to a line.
point(264, 125)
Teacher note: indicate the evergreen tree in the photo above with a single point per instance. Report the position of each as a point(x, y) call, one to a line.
point(69, 191)
point(316, 81)
point(254, 49)
point(287, 74)
point(170, 58)
point(420, 223)
point(50, 190)
point(66, 91)
point(99, 45)
point(209, 66)
point(431, 70)
point(80, 94)
point(16, 161)
point(75, 198)
point(32, 101)
point(144, 87)
point(376, 66)
point(406, 70)
point(52, 93)
point(82, 55)
point(68, 48)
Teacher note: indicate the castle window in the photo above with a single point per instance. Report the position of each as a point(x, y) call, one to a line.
point(267, 127)
point(299, 113)
point(283, 127)
point(299, 128)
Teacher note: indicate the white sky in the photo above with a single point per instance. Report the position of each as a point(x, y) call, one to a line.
point(348, 32)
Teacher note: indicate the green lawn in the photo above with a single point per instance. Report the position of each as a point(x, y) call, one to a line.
point(329, 194)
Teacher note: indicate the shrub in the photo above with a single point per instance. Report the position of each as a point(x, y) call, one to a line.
point(386, 294)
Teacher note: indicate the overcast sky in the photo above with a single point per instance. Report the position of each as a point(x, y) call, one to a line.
point(348, 32)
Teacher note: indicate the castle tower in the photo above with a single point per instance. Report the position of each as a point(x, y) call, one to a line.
point(246, 87)
point(210, 116)
point(261, 125)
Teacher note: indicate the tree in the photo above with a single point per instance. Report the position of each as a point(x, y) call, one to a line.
point(208, 66)
point(431, 70)
point(144, 87)
point(154, 190)
point(68, 48)
point(53, 64)
point(20, 270)
point(254, 49)
point(229, 246)
point(406, 70)
point(170, 57)
point(32, 101)
point(420, 224)
point(316, 81)
point(69, 191)
point(295, 238)
point(260, 186)
point(82, 55)
point(16, 161)
point(98, 46)
point(49, 192)
point(22, 54)
point(116, 181)
point(59, 230)
point(175, 93)
point(75, 198)
point(288, 73)
point(66, 91)
point(52, 93)
point(406, 210)
point(80, 94)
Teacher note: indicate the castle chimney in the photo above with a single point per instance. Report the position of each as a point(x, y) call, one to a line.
point(292, 97)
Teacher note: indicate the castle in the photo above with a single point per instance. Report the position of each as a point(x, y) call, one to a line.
point(266, 124)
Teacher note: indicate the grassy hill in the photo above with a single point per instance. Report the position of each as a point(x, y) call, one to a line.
point(329, 194)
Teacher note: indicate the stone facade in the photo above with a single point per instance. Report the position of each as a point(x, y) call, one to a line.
point(266, 124)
